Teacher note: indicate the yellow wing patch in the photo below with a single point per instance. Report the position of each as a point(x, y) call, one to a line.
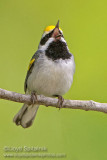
point(49, 28)
point(30, 64)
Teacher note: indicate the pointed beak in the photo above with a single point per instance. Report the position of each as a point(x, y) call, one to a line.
point(56, 33)
point(57, 25)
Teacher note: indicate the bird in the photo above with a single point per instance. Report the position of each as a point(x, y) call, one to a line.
point(50, 73)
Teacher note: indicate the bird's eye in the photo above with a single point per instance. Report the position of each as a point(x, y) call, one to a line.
point(48, 36)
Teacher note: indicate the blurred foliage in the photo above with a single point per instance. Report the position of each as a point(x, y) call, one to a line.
point(80, 135)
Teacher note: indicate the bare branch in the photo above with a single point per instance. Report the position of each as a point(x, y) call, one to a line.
point(47, 101)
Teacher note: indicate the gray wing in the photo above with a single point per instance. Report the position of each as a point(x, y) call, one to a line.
point(31, 65)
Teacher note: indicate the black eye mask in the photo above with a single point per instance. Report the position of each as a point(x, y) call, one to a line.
point(46, 37)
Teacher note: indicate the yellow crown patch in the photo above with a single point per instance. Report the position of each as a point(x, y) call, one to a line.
point(49, 28)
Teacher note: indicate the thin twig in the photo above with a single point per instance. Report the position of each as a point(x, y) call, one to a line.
point(47, 101)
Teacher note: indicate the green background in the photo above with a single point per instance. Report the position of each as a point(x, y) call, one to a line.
point(79, 134)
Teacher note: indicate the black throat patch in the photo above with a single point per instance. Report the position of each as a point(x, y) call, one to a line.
point(58, 49)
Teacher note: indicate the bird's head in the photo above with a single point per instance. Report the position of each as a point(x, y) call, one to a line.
point(53, 43)
point(51, 33)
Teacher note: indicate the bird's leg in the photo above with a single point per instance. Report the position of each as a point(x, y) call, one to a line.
point(34, 97)
point(60, 101)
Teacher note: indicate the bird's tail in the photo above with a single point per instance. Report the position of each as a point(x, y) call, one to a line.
point(26, 115)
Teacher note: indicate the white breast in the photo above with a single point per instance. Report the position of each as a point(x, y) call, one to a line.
point(51, 77)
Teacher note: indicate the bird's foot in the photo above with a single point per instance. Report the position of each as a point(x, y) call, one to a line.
point(60, 101)
point(34, 97)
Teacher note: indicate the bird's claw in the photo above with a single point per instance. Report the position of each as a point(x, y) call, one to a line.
point(60, 101)
point(34, 97)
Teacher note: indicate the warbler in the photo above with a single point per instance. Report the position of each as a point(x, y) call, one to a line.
point(50, 73)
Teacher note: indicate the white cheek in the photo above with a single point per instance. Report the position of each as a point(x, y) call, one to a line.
point(63, 40)
point(44, 47)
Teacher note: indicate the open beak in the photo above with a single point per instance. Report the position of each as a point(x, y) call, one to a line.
point(56, 33)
